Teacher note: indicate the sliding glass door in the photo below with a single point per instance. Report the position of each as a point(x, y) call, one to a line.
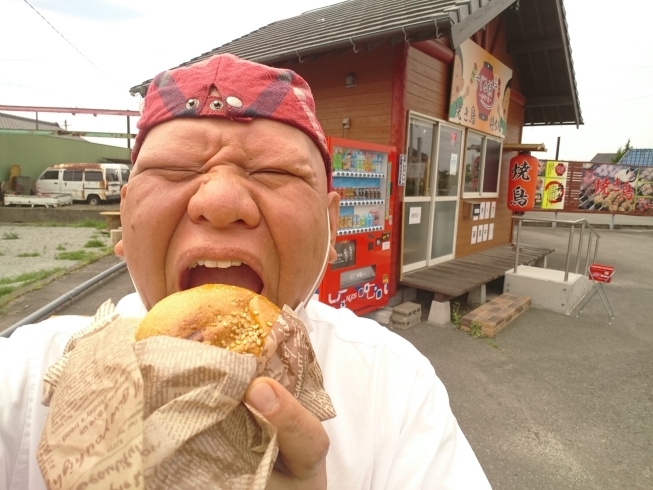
point(431, 192)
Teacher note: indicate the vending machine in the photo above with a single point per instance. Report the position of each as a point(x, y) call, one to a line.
point(358, 279)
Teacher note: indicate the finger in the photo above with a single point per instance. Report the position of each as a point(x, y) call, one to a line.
point(303, 442)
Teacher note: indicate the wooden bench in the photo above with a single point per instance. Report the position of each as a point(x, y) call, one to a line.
point(113, 220)
point(459, 276)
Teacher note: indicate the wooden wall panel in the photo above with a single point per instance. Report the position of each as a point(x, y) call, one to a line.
point(427, 84)
point(368, 105)
point(503, 218)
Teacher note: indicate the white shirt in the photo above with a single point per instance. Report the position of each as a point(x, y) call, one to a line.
point(394, 428)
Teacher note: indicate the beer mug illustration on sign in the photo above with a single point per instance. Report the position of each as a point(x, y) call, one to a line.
point(485, 91)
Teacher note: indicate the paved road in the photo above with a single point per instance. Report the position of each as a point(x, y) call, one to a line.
point(559, 403)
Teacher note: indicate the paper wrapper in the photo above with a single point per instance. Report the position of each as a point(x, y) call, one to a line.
point(166, 412)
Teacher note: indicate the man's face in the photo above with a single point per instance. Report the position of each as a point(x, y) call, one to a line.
point(217, 201)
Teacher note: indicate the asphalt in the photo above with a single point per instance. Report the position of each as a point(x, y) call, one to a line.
point(552, 402)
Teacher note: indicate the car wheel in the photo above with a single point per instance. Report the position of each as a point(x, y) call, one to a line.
point(93, 200)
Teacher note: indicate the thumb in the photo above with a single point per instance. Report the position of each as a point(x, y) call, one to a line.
point(303, 442)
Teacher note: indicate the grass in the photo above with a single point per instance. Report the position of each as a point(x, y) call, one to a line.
point(85, 256)
point(456, 315)
point(29, 276)
point(79, 255)
point(94, 243)
point(10, 284)
point(475, 330)
point(27, 254)
point(86, 223)
point(491, 344)
point(60, 247)
point(10, 236)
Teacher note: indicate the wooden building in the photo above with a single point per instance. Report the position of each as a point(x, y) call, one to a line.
point(386, 68)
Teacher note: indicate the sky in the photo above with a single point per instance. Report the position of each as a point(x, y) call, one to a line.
point(113, 45)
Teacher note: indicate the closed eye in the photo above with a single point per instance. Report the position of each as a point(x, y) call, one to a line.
point(171, 174)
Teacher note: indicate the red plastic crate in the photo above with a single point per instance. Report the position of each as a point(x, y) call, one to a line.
point(601, 273)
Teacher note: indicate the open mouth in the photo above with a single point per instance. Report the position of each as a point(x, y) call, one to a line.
point(231, 272)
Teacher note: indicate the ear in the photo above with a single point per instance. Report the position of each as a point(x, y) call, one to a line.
point(118, 249)
point(333, 203)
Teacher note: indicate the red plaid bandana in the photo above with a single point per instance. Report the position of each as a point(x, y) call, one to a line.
point(228, 87)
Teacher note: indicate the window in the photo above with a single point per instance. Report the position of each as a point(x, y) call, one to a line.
point(449, 145)
point(125, 175)
point(50, 175)
point(482, 165)
point(418, 168)
point(93, 176)
point(112, 175)
point(72, 175)
point(492, 165)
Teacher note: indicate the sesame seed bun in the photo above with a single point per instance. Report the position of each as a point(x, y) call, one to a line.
point(226, 316)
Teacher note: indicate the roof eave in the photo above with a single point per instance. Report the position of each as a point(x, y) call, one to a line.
point(439, 25)
point(570, 66)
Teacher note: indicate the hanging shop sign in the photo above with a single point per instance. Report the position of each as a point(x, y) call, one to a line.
point(522, 182)
point(480, 90)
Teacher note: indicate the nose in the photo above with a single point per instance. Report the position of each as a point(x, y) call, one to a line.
point(224, 199)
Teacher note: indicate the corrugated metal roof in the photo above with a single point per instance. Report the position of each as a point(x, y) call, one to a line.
point(9, 121)
point(641, 158)
point(539, 25)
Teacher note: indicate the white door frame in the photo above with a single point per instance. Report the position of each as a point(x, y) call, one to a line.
point(432, 198)
point(435, 198)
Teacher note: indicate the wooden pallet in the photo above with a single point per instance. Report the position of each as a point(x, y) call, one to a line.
point(497, 314)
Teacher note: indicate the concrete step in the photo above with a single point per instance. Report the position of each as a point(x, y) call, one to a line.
point(547, 288)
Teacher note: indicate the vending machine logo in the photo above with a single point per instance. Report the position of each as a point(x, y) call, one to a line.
point(368, 291)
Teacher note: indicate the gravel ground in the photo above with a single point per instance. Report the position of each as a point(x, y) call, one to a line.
point(44, 241)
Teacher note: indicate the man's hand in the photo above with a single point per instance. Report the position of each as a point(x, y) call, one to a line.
point(303, 442)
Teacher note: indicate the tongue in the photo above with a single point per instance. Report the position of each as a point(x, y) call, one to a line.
point(241, 275)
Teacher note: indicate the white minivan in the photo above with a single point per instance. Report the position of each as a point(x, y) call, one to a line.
point(90, 182)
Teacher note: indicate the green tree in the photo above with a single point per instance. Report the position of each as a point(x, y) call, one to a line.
point(621, 152)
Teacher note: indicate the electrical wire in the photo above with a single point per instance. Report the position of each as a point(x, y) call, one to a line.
point(73, 46)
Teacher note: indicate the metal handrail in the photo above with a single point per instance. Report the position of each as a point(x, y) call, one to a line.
point(583, 222)
point(61, 300)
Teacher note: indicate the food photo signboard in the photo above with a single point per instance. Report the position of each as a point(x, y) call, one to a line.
point(616, 189)
point(480, 90)
point(551, 186)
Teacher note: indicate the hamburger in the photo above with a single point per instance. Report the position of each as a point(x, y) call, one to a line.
point(226, 316)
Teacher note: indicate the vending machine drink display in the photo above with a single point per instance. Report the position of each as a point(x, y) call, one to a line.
point(359, 277)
